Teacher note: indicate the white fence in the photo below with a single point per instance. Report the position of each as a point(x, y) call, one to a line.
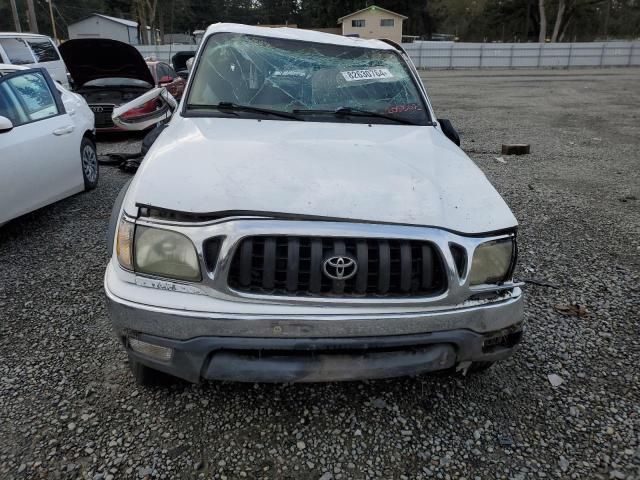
point(523, 55)
point(489, 55)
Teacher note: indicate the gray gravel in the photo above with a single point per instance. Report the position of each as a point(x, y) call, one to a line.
point(70, 409)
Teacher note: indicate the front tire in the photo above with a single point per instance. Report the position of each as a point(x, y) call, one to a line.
point(89, 159)
point(147, 376)
point(480, 367)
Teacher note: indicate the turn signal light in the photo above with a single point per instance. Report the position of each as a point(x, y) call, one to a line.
point(158, 352)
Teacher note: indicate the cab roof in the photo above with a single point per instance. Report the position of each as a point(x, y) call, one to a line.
point(297, 34)
point(7, 67)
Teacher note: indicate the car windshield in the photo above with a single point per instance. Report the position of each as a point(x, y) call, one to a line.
point(117, 82)
point(313, 80)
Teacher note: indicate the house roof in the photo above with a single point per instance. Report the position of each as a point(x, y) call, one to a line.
point(372, 7)
point(122, 21)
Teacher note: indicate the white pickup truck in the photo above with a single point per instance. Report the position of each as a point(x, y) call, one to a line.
point(306, 217)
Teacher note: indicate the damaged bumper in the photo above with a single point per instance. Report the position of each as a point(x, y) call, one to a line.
point(316, 347)
point(327, 359)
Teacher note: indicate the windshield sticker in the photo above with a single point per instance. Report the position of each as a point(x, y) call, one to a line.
point(289, 73)
point(409, 107)
point(369, 74)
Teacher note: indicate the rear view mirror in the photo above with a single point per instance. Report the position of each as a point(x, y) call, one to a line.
point(145, 111)
point(5, 124)
point(449, 131)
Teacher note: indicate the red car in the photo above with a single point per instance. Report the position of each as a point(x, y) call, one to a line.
point(165, 76)
point(108, 73)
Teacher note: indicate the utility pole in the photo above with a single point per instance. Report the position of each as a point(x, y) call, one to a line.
point(607, 12)
point(33, 23)
point(526, 22)
point(53, 22)
point(16, 19)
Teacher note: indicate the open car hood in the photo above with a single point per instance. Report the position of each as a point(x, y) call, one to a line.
point(95, 58)
point(179, 60)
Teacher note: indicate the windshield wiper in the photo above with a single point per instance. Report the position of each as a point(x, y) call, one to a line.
point(234, 107)
point(356, 112)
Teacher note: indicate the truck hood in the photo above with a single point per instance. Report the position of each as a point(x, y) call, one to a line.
point(335, 171)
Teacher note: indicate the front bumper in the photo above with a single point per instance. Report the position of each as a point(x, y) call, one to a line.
point(295, 347)
point(327, 359)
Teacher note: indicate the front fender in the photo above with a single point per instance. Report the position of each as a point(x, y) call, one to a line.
point(115, 215)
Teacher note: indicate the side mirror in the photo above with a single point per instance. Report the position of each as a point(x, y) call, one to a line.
point(5, 124)
point(449, 131)
point(166, 79)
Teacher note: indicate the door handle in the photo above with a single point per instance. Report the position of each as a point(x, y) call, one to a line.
point(63, 130)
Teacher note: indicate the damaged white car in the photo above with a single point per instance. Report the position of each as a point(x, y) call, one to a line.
point(305, 217)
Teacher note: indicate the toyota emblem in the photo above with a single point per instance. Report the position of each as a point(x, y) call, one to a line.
point(97, 109)
point(340, 267)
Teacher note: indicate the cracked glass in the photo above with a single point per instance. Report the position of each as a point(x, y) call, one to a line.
point(314, 79)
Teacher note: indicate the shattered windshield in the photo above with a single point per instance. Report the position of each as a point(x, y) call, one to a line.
point(312, 80)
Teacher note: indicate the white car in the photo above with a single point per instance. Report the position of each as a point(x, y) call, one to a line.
point(306, 217)
point(33, 50)
point(47, 145)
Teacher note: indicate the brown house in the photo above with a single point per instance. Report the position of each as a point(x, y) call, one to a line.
point(373, 22)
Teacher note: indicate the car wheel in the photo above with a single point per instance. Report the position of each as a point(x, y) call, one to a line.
point(89, 157)
point(149, 377)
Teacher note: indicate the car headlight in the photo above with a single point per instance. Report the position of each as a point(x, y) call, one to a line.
point(492, 262)
point(154, 251)
point(165, 253)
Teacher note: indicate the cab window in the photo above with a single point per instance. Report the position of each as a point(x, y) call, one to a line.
point(17, 51)
point(43, 49)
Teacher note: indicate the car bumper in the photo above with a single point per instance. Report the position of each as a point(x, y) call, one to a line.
point(319, 347)
point(109, 130)
point(327, 359)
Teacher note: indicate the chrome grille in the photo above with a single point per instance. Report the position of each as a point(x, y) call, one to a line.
point(290, 265)
point(102, 113)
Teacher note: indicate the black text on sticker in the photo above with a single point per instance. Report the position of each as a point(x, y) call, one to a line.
point(369, 74)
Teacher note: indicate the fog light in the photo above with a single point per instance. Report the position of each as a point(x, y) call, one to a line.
point(149, 349)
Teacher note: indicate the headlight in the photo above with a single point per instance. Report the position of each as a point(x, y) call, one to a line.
point(165, 253)
point(156, 252)
point(492, 262)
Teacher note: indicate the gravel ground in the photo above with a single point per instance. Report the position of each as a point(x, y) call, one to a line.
point(70, 409)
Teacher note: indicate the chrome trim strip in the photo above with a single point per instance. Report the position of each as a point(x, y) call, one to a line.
point(215, 284)
point(477, 316)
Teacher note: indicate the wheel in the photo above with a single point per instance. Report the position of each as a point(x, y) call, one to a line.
point(147, 376)
point(89, 157)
